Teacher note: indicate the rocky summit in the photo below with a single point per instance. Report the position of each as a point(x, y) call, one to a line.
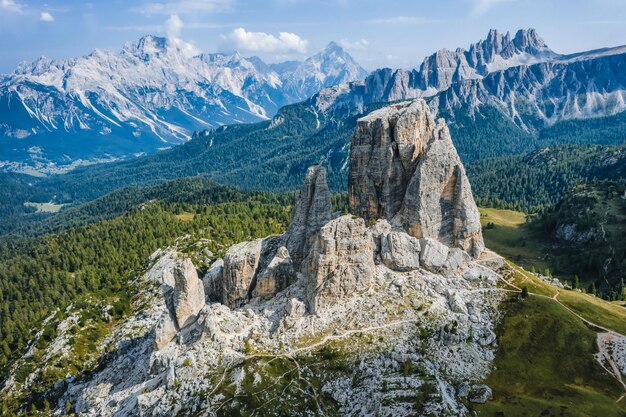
point(388, 310)
point(404, 168)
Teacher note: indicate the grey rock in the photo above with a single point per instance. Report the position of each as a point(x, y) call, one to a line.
point(433, 254)
point(404, 168)
point(463, 389)
point(165, 331)
point(213, 281)
point(188, 298)
point(400, 251)
point(277, 276)
point(480, 394)
point(340, 263)
point(240, 265)
point(313, 209)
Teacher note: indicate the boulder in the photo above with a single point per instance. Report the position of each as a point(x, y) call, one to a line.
point(404, 168)
point(480, 394)
point(400, 252)
point(277, 276)
point(213, 281)
point(433, 254)
point(340, 263)
point(165, 331)
point(188, 297)
point(240, 265)
point(311, 211)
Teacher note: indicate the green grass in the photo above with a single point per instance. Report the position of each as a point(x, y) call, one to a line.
point(507, 233)
point(596, 310)
point(544, 366)
point(611, 315)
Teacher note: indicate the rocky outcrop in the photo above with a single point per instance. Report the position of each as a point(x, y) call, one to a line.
point(188, 297)
point(277, 276)
point(311, 212)
point(213, 281)
point(404, 168)
point(240, 266)
point(341, 262)
point(400, 251)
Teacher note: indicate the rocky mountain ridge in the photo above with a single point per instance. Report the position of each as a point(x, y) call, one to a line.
point(155, 93)
point(519, 75)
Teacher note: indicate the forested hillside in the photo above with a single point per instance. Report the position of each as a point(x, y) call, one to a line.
point(538, 180)
point(97, 260)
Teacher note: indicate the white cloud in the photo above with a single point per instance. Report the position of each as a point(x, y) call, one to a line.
point(11, 6)
point(184, 7)
point(483, 6)
point(46, 17)
point(358, 45)
point(242, 40)
point(173, 26)
point(404, 20)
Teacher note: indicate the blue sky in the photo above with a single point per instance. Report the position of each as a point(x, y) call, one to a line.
point(377, 33)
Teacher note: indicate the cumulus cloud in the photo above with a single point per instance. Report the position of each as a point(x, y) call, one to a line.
point(11, 6)
point(358, 45)
point(173, 26)
point(46, 17)
point(242, 40)
point(184, 7)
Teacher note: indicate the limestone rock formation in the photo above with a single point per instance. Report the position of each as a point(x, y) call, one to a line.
point(311, 212)
point(240, 266)
point(341, 262)
point(400, 251)
point(404, 168)
point(188, 297)
point(213, 281)
point(278, 274)
point(165, 331)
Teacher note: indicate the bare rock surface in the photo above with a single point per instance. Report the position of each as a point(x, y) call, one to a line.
point(213, 281)
point(404, 168)
point(341, 262)
point(188, 297)
point(311, 212)
point(240, 266)
point(400, 251)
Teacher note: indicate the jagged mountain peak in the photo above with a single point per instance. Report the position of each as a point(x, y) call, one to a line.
point(146, 46)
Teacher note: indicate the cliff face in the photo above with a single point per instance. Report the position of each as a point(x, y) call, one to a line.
point(404, 168)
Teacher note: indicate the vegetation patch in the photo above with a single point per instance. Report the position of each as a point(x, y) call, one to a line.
point(544, 366)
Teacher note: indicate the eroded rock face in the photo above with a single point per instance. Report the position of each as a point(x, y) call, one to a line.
point(188, 297)
point(400, 252)
point(404, 168)
point(240, 266)
point(341, 262)
point(278, 274)
point(311, 212)
point(213, 281)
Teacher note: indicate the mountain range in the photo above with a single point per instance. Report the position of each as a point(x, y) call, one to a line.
point(153, 94)
point(520, 76)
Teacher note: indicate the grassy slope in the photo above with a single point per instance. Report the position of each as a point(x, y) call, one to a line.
point(511, 237)
point(544, 364)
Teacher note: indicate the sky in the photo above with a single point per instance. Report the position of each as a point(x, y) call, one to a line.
point(378, 33)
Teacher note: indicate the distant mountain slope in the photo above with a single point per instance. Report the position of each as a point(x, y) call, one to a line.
point(520, 76)
point(153, 94)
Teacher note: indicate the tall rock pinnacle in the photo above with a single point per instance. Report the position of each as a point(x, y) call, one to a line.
point(404, 168)
point(311, 212)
